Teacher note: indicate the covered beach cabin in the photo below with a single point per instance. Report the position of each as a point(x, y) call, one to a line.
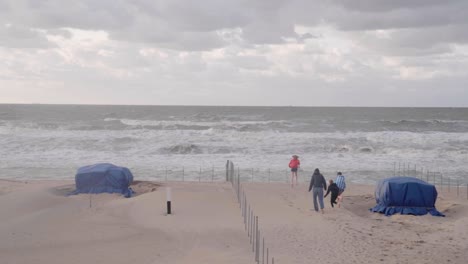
point(103, 178)
point(405, 195)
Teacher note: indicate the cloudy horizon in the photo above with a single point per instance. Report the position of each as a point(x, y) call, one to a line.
point(268, 53)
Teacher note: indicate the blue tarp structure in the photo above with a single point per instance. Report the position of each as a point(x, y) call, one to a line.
point(405, 195)
point(103, 178)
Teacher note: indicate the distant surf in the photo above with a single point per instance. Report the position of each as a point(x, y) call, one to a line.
point(51, 141)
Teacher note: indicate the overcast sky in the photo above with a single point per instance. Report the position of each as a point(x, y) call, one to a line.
point(252, 52)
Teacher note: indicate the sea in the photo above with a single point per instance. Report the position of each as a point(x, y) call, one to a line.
point(194, 143)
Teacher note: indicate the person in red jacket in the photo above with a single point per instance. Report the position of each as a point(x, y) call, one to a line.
point(294, 164)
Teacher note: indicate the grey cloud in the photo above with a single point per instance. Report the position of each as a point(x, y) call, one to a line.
point(385, 6)
point(416, 41)
point(103, 14)
point(14, 36)
point(171, 34)
point(250, 62)
point(195, 16)
point(429, 36)
point(268, 32)
point(418, 27)
point(158, 21)
point(432, 16)
point(194, 41)
point(85, 14)
point(4, 7)
point(192, 25)
point(306, 36)
point(59, 32)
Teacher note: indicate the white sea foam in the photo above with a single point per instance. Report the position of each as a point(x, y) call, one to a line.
point(55, 147)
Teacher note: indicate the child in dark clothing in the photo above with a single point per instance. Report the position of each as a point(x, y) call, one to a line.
point(333, 188)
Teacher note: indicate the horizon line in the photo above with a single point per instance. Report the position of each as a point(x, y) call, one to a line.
point(279, 106)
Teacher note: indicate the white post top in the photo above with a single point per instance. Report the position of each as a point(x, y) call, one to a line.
point(168, 193)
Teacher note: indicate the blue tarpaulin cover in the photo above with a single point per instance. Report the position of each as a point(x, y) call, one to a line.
point(405, 195)
point(103, 178)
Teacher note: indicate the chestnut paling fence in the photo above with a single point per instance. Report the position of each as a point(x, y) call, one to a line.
point(445, 183)
point(452, 184)
point(256, 238)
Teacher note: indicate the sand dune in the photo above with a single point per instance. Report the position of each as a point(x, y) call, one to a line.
point(352, 234)
point(39, 224)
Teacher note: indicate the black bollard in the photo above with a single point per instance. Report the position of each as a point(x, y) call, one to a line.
point(168, 199)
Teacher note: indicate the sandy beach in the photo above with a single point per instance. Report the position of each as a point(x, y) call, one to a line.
point(40, 224)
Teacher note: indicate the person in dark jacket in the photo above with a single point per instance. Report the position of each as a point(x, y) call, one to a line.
point(333, 188)
point(317, 186)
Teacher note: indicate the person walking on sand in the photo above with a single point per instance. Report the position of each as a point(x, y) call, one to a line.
point(341, 183)
point(334, 192)
point(318, 185)
point(294, 164)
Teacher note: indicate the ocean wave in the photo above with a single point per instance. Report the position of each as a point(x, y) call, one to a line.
point(124, 140)
point(242, 126)
point(257, 149)
point(425, 125)
point(61, 126)
point(182, 149)
point(281, 126)
point(366, 149)
point(110, 125)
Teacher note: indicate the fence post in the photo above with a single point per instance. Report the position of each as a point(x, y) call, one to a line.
point(238, 187)
point(267, 256)
point(263, 251)
point(252, 175)
point(257, 236)
point(251, 223)
point(258, 247)
point(242, 204)
point(245, 213)
point(251, 227)
point(248, 223)
point(441, 183)
point(183, 173)
point(449, 184)
point(252, 236)
point(227, 170)
point(90, 199)
point(458, 183)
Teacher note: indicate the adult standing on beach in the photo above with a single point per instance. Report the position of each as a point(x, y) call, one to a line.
point(318, 185)
point(341, 183)
point(294, 164)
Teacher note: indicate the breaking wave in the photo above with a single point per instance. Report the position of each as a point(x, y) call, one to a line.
point(182, 149)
